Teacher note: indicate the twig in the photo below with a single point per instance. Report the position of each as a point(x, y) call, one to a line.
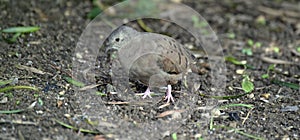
point(274, 61)
point(117, 103)
point(89, 87)
point(169, 112)
point(247, 116)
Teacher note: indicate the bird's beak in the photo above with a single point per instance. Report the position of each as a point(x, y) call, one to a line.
point(109, 49)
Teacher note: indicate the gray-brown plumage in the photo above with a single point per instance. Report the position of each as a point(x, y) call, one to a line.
point(153, 59)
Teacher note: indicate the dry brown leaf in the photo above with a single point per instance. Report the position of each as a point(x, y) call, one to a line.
point(167, 113)
point(32, 69)
point(59, 103)
point(88, 87)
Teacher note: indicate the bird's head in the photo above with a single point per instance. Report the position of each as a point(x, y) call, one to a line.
point(120, 37)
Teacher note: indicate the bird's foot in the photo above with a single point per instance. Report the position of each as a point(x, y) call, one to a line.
point(169, 95)
point(147, 93)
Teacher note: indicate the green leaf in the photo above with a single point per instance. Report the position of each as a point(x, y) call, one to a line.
point(276, 49)
point(40, 101)
point(27, 29)
point(234, 60)
point(258, 44)
point(74, 82)
point(271, 67)
point(36, 95)
point(247, 85)
point(174, 136)
point(5, 82)
point(17, 87)
point(261, 20)
point(298, 49)
point(247, 51)
point(287, 84)
point(11, 111)
point(237, 62)
point(264, 76)
point(144, 26)
point(235, 105)
point(225, 97)
point(250, 42)
point(100, 93)
point(94, 12)
point(9, 95)
point(14, 38)
point(231, 35)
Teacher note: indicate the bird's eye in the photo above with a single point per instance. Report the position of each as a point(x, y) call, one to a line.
point(117, 39)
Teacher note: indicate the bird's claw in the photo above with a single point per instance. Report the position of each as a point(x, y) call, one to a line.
point(147, 93)
point(169, 94)
point(168, 98)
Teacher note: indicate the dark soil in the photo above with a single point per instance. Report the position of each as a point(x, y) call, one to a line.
point(51, 50)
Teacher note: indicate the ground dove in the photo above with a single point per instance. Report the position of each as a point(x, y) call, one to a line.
point(150, 58)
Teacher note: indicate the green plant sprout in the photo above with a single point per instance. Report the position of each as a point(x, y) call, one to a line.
point(258, 44)
point(247, 85)
point(40, 102)
point(174, 136)
point(276, 49)
point(298, 49)
point(231, 35)
point(270, 68)
point(251, 43)
point(261, 20)
point(74, 82)
point(247, 51)
point(18, 31)
point(233, 60)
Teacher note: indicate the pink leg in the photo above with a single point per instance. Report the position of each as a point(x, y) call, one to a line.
point(147, 93)
point(169, 95)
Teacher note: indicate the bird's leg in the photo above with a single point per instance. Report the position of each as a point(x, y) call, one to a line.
point(147, 93)
point(169, 95)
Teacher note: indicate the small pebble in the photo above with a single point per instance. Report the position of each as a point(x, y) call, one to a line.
point(290, 109)
point(176, 115)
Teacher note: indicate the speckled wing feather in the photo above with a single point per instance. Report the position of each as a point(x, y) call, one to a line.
point(174, 59)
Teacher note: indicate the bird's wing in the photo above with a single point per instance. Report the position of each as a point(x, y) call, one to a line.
point(174, 58)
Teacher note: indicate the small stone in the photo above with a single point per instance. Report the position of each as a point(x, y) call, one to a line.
point(176, 115)
point(216, 112)
point(265, 95)
point(4, 100)
point(62, 92)
point(251, 95)
point(67, 115)
point(78, 55)
point(240, 71)
point(39, 112)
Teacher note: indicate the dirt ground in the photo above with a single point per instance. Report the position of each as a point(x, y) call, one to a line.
point(273, 24)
